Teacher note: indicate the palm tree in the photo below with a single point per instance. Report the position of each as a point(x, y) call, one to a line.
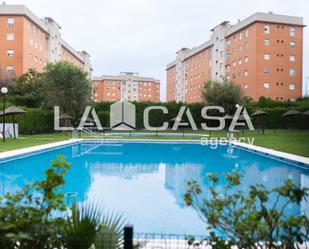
point(89, 226)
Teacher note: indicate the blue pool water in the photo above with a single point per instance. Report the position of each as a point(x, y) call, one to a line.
point(146, 181)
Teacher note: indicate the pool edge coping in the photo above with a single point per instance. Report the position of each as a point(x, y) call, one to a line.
point(36, 148)
point(253, 148)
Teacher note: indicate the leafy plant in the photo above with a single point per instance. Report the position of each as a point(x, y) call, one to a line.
point(89, 226)
point(257, 219)
point(226, 94)
point(82, 226)
point(110, 231)
point(26, 216)
point(67, 86)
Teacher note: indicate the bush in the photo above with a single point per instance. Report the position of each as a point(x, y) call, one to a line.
point(38, 120)
point(257, 218)
point(34, 121)
point(36, 217)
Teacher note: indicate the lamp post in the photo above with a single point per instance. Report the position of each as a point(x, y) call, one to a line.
point(306, 86)
point(4, 91)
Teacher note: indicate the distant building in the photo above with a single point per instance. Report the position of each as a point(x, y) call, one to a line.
point(263, 54)
point(126, 86)
point(28, 42)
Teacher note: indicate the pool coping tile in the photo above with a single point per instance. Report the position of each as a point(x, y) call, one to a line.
point(295, 159)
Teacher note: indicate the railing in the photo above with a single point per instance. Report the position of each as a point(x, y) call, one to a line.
point(154, 241)
point(91, 133)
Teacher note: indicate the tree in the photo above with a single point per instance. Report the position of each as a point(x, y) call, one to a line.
point(28, 90)
point(25, 217)
point(225, 94)
point(37, 217)
point(257, 219)
point(67, 86)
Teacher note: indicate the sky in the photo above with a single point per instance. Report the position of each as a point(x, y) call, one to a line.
point(143, 35)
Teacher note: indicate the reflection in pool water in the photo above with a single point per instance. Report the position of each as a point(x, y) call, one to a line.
point(146, 181)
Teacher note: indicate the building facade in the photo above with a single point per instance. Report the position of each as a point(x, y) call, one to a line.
point(263, 54)
point(28, 42)
point(126, 86)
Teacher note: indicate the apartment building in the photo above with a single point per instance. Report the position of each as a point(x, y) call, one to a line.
point(126, 86)
point(30, 42)
point(263, 54)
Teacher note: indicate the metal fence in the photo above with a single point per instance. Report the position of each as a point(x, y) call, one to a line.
point(156, 241)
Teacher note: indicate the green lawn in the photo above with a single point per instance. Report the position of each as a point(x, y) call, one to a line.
point(31, 140)
point(295, 142)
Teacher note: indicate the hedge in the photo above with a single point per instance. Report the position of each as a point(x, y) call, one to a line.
point(34, 121)
point(37, 120)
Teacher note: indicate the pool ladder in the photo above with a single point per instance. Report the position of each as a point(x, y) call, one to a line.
point(92, 134)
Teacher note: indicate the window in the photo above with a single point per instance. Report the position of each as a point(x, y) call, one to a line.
point(246, 73)
point(239, 48)
point(10, 68)
point(267, 29)
point(228, 54)
point(267, 57)
point(292, 72)
point(10, 36)
point(266, 71)
point(292, 44)
point(246, 59)
point(239, 61)
point(266, 42)
point(266, 85)
point(234, 63)
point(292, 86)
point(10, 22)
point(240, 36)
point(292, 58)
point(246, 45)
point(292, 31)
point(228, 42)
point(10, 53)
point(247, 33)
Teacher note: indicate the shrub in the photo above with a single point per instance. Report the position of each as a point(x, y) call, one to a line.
point(34, 121)
point(257, 219)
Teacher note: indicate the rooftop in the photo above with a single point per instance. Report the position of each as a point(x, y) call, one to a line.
point(269, 17)
point(126, 76)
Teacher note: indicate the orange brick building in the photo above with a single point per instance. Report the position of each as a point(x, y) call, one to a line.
point(27, 41)
point(126, 86)
point(263, 54)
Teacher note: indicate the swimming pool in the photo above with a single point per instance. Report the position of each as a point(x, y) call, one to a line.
point(146, 181)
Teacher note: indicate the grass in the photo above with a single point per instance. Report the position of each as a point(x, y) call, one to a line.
point(32, 140)
point(295, 142)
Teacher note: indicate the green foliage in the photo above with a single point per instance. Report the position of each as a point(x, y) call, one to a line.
point(67, 86)
point(25, 217)
point(35, 121)
point(226, 94)
point(256, 219)
point(82, 226)
point(28, 220)
point(28, 90)
point(110, 232)
point(88, 225)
